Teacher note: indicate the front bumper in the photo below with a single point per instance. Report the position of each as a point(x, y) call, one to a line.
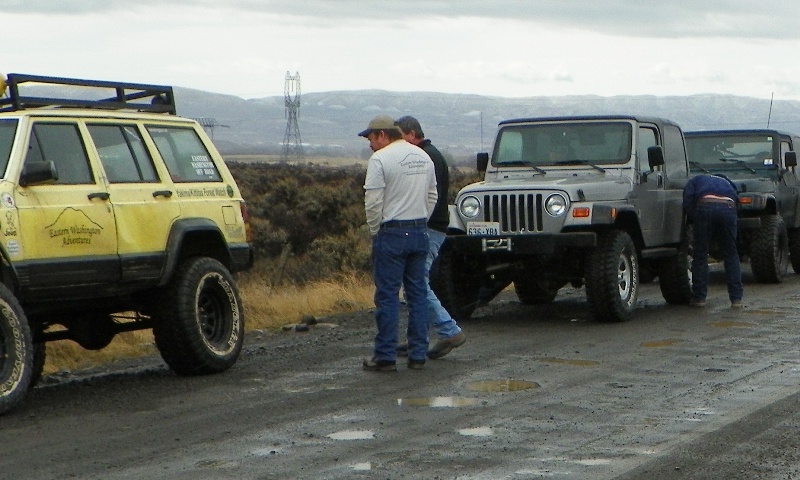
point(538, 244)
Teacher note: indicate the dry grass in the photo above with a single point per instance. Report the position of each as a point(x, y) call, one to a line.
point(265, 308)
point(66, 355)
point(274, 307)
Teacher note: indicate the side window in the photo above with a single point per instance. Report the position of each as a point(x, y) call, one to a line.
point(60, 143)
point(123, 153)
point(785, 147)
point(184, 154)
point(674, 152)
point(647, 138)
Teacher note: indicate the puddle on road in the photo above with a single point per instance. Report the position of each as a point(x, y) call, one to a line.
point(437, 402)
point(661, 343)
point(477, 432)
point(352, 435)
point(731, 324)
point(594, 461)
point(501, 385)
point(214, 464)
point(265, 452)
point(568, 361)
point(362, 467)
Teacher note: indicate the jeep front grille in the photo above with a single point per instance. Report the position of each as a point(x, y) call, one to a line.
point(517, 213)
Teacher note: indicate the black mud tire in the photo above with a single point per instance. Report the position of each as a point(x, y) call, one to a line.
point(535, 291)
point(199, 322)
point(674, 276)
point(612, 277)
point(16, 352)
point(455, 287)
point(794, 249)
point(769, 250)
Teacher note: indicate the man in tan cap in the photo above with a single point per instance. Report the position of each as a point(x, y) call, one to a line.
point(400, 194)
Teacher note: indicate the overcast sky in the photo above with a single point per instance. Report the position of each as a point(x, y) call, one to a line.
point(499, 47)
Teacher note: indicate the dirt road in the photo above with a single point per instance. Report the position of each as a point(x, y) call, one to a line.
point(536, 392)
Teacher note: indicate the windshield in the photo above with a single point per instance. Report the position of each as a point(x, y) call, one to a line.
point(731, 153)
point(587, 143)
point(7, 130)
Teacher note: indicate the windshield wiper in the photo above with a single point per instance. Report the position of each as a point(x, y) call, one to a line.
point(700, 166)
point(580, 162)
point(739, 161)
point(523, 163)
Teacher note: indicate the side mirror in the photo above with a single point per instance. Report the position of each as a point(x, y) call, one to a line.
point(655, 156)
point(482, 162)
point(38, 172)
point(790, 159)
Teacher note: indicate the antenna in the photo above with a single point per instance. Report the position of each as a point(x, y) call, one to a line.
point(481, 120)
point(770, 108)
point(292, 146)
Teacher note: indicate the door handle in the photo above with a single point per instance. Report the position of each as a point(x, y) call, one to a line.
point(162, 193)
point(100, 195)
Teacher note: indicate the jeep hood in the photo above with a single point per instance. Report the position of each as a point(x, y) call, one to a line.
point(750, 185)
point(593, 187)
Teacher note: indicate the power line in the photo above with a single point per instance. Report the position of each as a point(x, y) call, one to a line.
point(208, 124)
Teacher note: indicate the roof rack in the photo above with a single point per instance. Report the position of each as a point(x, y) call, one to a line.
point(126, 95)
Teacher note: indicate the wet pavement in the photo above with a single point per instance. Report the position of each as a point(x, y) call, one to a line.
point(536, 392)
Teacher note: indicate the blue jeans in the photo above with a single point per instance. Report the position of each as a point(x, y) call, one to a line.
point(439, 319)
point(715, 222)
point(398, 257)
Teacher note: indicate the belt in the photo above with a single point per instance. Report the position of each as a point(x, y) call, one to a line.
point(725, 201)
point(420, 222)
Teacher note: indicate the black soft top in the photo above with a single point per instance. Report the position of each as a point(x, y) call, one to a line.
point(637, 118)
point(738, 132)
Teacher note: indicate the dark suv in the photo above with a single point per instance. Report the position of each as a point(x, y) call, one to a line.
point(761, 164)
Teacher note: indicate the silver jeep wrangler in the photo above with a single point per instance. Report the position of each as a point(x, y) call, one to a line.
point(594, 201)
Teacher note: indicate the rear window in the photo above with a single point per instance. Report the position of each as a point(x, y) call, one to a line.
point(184, 154)
point(7, 129)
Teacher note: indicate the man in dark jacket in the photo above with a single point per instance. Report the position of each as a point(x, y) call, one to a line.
point(450, 334)
point(710, 205)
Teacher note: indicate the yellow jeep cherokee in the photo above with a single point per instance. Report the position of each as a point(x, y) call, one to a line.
point(115, 215)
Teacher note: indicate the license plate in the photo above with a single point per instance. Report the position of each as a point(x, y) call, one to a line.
point(483, 228)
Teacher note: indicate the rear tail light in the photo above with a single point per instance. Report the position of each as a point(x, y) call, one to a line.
point(248, 232)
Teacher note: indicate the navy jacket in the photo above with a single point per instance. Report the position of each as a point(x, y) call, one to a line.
point(701, 185)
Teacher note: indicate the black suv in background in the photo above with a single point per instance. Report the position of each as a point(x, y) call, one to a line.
point(761, 163)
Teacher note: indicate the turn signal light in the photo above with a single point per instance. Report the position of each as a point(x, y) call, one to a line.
point(580, 212)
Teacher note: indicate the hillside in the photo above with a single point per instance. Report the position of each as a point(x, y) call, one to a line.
point(459, 124)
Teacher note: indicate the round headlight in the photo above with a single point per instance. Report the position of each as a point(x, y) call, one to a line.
point(470, 207)
point(556, 205)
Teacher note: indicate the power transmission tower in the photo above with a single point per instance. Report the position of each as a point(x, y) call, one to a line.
point(292, 146)
point(208, 124)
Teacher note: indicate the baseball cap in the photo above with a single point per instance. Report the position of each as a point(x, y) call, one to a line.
point(381, 122)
